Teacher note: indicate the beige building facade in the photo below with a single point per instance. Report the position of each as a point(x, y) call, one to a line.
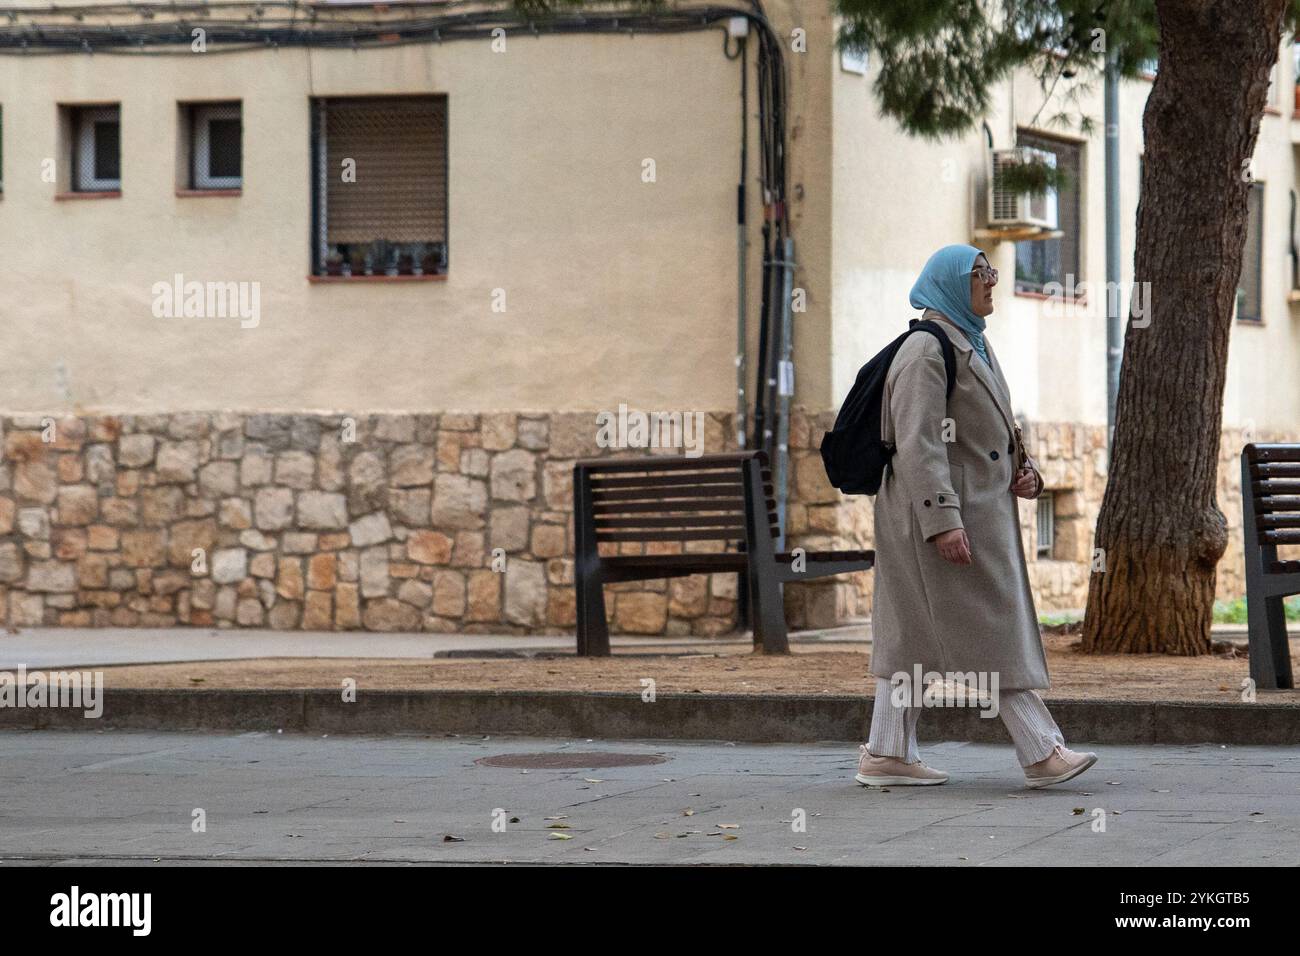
point(313, 447)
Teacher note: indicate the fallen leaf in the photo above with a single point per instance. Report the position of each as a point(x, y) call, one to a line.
point(728, 826)
point(559, 826)
point(448, 838)
point(1078, 810)
point(561, 836)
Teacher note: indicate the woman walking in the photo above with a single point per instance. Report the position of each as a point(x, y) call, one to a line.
point(952, 591)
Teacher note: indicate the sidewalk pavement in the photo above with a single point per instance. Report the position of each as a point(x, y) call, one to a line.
point(596, 705)
point(104, 647)
point(111, 797)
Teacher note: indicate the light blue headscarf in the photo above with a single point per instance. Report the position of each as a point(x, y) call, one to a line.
point(944, 285)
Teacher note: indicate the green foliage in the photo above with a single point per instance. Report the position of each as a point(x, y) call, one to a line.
point(1033, 178)
point(1234, 612)
point(938, 59)
point(1058, 620)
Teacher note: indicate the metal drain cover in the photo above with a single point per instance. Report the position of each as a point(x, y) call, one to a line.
point(570, 760)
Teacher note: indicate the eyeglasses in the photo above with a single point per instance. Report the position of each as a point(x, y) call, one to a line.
point(988, 275)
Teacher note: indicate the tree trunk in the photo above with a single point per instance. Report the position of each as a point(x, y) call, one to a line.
point(1160, 531)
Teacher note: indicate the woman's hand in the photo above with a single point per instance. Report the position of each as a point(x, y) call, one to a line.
point(1024, 484)
point(953, 546)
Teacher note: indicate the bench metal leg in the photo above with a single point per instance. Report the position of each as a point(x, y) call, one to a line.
point(1270, 657)
point(768, 611)
point(593, 631)
point(764, 588)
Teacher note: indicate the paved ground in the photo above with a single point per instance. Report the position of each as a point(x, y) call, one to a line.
point(114, 796)
point(87, 647)
point(48, 647)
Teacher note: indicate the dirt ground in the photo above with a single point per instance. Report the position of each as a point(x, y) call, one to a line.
point(810, 669)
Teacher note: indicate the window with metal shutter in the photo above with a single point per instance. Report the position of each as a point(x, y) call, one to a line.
point(385, 170)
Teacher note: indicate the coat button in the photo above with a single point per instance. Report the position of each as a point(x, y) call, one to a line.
point(941, 499)
point(1011, 446)
point(927, 502)
point(993, 455)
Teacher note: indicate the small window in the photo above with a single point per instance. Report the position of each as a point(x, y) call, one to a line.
point(1046, 524)
point(379, 176)
point(1044, 262)
point(216, 146)
point(1250, 285)
point(97, 149)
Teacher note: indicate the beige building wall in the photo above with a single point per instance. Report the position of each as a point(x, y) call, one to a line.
point(616, 290)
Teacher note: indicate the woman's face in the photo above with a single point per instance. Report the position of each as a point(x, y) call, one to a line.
point(982, 280)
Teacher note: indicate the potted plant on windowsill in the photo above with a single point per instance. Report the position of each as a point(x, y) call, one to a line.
point(334, 264)
point(383, 256)
point(429, 259)
point(1033, 177)
point(405, 262)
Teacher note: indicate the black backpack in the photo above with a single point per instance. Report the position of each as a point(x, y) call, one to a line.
point(853, 452)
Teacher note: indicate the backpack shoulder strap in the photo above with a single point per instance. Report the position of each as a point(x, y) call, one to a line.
point(945, 345)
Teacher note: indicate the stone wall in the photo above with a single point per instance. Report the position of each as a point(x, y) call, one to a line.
point(314, 522)
point(435, 522)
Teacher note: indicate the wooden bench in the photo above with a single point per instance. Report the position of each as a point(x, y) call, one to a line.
point(1270, 504)
point(725, 500)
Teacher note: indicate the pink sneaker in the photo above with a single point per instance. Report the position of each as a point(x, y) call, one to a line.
point(893, 772)
point(1057, 767)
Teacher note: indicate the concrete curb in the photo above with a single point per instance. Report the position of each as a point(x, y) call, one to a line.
point(739, 717)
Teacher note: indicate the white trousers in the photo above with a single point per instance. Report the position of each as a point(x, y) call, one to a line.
point(1032, 729)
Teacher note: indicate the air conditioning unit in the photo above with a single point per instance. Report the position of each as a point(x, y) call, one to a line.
point(1011, 210)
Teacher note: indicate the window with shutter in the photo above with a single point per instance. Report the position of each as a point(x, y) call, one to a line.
point(380, 175)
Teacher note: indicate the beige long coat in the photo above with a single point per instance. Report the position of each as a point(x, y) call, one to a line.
point(952, 469)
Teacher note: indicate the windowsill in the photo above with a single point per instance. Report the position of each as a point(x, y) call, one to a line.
point(440, 277)
point(101, 194)
point(1043, 296)
point(192, 193)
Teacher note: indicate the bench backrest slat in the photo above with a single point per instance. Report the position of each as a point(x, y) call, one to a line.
point(1273, 494)
point(601, 483)
point(1273, 452)
point(673, 499)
